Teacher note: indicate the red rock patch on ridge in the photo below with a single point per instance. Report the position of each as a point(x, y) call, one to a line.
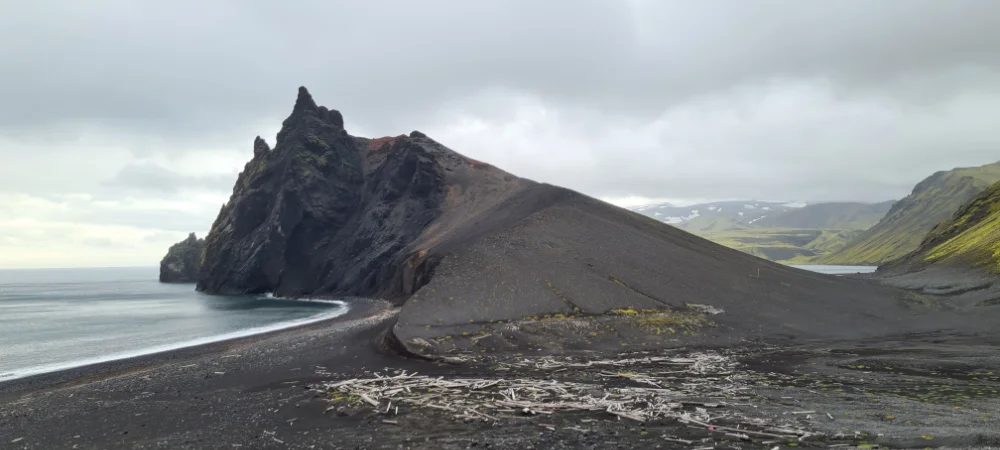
point(378, 143)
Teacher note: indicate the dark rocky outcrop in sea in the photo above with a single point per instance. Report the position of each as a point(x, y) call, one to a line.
point(183, 261)
point(481, 259)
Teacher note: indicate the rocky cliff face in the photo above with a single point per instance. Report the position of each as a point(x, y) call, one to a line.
point(328, 213)
point(182, 262)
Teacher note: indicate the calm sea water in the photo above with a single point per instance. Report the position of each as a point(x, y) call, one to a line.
point(60, 318)
point(838, 270)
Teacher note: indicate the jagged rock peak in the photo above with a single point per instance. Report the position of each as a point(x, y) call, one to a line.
point(260, 147)
point(307, 113)
point(417, 134)
point(305, 106)
point(305, 101)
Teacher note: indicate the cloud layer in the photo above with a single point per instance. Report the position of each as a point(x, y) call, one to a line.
point(153, 107)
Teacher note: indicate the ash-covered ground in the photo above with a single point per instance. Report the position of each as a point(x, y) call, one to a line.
point(332, 386)
point(917, 392)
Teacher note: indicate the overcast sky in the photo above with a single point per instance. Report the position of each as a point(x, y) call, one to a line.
point(123, 123)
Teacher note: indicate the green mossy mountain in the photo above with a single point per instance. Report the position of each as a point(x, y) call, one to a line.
point(183, 261)
point(785, 245)
point(901, 231)
point(970, 239)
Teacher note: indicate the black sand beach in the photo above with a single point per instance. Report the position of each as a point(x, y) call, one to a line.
point(209, 396)
point(926, 390)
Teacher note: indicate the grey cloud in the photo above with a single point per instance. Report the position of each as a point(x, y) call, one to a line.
point(176, 221)
point(102, 242)
point(98, 210)
point(168, 238)
point(195, 67)
point(784, 141)
point(641, 97)
point(189, 67)
point(155, 178)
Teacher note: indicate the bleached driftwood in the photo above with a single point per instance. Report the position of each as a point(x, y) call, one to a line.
point(650, 394)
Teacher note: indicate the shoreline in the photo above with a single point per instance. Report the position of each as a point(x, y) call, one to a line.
point(69, 376)
point(18, 374)
point(270, 391)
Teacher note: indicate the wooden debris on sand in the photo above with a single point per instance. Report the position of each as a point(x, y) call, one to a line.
point(672, 387)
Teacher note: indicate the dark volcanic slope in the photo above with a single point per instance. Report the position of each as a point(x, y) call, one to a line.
point(581, 258)
point(328, 213)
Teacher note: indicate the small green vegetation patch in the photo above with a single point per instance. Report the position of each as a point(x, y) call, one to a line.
point(662, 321)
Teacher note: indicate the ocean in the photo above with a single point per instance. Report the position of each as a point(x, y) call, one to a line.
point(52, 319)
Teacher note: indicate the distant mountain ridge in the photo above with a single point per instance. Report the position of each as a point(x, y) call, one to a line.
point(830, 216)
point(778, 231)
point(715, 216)
point(932, 201)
